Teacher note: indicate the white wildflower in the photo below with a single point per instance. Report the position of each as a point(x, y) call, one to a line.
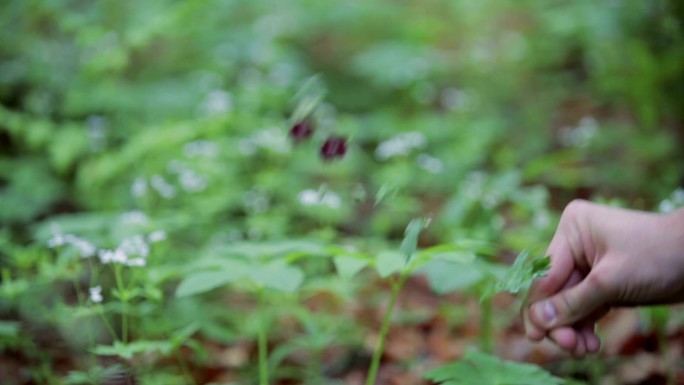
point(430, 163)
point(96, 294)
point(217, 102)
point(139, 187)
point(331, 200)
point(56, 241)
point(136, 262)
point(400, 145)
point(135, 246)
point(675, 201)
point(309, 197)
point(163, 187)
point(112, 256)
point(273, 139)
point(85, 248)
point(157, 236)
point(192, 181)
point(581, 135)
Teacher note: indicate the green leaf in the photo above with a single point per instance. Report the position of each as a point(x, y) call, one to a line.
point(521, 274)
point(386, 191)
point(447, 276)
point(347, 267)
point(260, 250)
point(388, 263)
point(204, 281)
point(483, 369)
point(410, 242)
point(278, 276)
point(9, 328)
point(127, 351)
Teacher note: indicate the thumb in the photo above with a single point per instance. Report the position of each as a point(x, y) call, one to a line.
point(569, 305)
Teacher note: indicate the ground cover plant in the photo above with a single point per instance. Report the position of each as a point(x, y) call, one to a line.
point(305, 192)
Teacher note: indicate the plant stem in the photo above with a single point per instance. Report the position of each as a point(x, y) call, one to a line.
point(124, 303)
point(263, 341)
point(384, 329)
point(486, 325)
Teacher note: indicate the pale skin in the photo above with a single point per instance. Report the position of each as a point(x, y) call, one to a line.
point(604, 257)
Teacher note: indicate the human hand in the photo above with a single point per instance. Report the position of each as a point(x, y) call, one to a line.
point(604, 257)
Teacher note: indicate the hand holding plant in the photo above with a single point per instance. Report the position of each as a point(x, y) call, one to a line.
point(604, 257)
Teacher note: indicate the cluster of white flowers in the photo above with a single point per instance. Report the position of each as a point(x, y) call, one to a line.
point(96, 294)
point(164, 188)
point(272, 138)
point(192, 181)
point(139, 187)
point(400, 145)
point(157, 236)
point(581, 135)
point(189, 180)
point(131, 251)
point(85, 248)
point(130, 247)
point(672, 203)
point(199, 148)
point(430, 163)
point(323, 197)
point(217, 102)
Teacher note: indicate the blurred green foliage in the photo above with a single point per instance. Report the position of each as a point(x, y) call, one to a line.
point(126, 118)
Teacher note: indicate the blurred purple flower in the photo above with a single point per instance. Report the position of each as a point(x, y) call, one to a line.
point(334, 147)
point(302, 130)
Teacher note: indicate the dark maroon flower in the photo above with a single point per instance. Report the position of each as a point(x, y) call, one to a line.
point(302, 130)
point(334, 147)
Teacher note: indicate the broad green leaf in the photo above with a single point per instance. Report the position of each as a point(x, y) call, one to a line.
point(255, 250)
point(447, 276)
point(347, 267)
point(278, 276)
point(483, 369)
point(203, 281)
point(388, 263)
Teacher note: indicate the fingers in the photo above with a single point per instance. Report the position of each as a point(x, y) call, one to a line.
point(562, 266)
point(535, 332)
point(569, 305)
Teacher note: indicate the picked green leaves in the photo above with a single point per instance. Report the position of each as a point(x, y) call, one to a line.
point(520, 275)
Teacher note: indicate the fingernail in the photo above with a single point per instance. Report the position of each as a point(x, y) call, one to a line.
point(545, 312)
